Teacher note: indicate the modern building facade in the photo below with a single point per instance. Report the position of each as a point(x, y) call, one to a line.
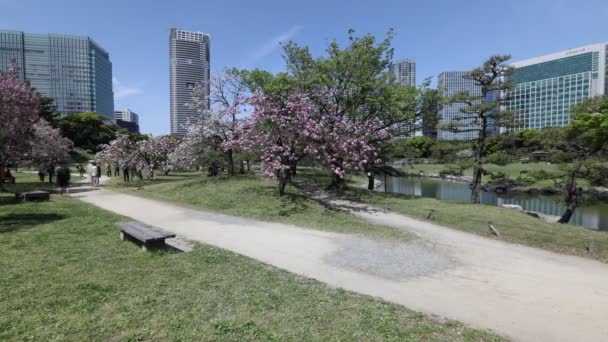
point(189, 65)
point(128, 119)
point(126, 115)
point(548, 86)
point(73, 70)
point(450, 83)
point(403, 72)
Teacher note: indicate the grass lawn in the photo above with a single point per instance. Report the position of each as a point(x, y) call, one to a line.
point(67, 276)
point(514, 226)
point(253, 197)
point(24, 181)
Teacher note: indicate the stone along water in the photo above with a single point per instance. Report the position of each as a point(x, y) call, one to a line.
point(594, 216)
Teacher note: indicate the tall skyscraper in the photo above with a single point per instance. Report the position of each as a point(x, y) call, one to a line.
point(450, 83)
point(403, 72)
point(190, 65)
point(548, 86)
point(73, 70)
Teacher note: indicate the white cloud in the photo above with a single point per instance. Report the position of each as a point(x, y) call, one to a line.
point(122, 90)
point(275, 42)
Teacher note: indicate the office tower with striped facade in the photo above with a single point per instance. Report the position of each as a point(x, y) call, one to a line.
point(189, 59)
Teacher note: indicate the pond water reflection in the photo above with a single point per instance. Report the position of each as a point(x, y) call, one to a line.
point(593, 216)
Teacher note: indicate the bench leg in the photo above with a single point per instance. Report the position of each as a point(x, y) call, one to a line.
point(152, 246)
point(122, 236)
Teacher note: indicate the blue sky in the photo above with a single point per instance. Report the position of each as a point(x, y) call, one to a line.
point(439, 34)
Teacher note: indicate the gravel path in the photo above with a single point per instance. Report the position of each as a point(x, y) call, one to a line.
point(387, 259)
point(524, 293)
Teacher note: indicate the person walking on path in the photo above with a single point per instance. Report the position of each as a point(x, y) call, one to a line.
point(93, 173)
point(125, 172)
point(116, 170)
point(98, 174)
point(80, 169)
point(41, 174)
point(50, 170)
point(63, 178)
point(109, 170)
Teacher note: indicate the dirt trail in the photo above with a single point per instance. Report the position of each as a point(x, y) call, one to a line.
point(524, 293)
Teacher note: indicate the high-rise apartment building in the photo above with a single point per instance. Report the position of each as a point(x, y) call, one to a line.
point(548, 86)
point(403, 72)
point(450, 83)
point(126, 115)
point(73, 70)
point(189, 66)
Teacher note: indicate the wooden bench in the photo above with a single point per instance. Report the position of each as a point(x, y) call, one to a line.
point(149, 236)
point(7, 179)
point(34, 195)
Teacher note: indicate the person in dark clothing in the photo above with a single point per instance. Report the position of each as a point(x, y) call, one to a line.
point(50, 170)
point(109, 170)
point(63, 178)
point(125, 172)
point(98, 172)
point(116, 170)
point(80, 170)
point(41, 174)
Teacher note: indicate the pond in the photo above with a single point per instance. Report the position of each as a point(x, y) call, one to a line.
point(594, 216)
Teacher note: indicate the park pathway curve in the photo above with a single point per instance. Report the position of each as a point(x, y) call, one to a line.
point(519, 292)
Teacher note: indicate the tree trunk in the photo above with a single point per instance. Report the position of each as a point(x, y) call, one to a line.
point(479, 155)
point(476, 185)
point(571, 197)
point(284, 177)
point(242, 167)
point(248, 169)
point(230, 156)
point(293, 168)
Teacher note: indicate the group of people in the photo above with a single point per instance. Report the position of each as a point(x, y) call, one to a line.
point(128, 171)
point(94, 172)
point(61, 174)
point(45, 171)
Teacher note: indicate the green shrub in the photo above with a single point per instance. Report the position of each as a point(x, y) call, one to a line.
point(561, 157)
point(540, 175)
point(499, 158)
point(597, 174)
point(451, 170)
point(526, 179)
point(498, 176)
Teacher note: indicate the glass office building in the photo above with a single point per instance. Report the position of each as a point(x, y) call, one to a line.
point(189, 59)
point(403, 72)
point(450, 83)
point(548, 86)
point(73, 70)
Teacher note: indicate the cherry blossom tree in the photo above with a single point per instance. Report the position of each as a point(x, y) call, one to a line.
point(196, 150)
point(19, 108)
point(277, 130)
point(47, 145)
point(343, 145)
point(284, 130)
point(219, 124)
point(153, 154)
point(120, 151)
point(146, 155)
